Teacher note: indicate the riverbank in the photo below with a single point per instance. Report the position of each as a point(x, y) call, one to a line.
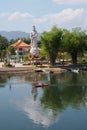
point(28, 68)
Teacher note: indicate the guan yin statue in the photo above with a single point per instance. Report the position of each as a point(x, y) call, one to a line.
point(34, 43)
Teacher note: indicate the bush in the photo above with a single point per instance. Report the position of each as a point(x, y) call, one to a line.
point(7, 64)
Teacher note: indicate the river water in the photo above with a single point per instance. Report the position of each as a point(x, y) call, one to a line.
point(62, 105)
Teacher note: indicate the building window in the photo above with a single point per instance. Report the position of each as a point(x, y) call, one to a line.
point(20, 49)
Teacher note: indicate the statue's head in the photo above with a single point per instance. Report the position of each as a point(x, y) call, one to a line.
point(34, 28)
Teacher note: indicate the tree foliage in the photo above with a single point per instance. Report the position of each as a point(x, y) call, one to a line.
point(74, 42)
point(11, 50)
point(3, 46)
point(50, 43)
point(3, 43)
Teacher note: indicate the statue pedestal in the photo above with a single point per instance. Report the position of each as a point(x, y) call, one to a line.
point(35, 61)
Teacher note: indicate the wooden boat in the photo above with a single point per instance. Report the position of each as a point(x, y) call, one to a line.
point(40, 85)
point(38, 70)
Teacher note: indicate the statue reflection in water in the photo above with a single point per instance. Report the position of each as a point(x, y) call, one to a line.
point(10, 87)
point(34, 89)
point(34, 92)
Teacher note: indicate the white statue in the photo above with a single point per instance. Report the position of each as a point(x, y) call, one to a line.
point(34, 40)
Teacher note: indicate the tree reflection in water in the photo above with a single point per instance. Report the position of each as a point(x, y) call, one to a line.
point(66, 89)
point(3, 79)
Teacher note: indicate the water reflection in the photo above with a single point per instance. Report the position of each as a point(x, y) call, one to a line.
point(34, 92)
point(65, 90)
point(38, 113)
point(45, 105)
point(2, 80)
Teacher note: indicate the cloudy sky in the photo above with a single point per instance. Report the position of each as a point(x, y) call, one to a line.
point(23, 14)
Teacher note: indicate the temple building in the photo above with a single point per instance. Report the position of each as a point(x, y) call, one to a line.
point(21, 47)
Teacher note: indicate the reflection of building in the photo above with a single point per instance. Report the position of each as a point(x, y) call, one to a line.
point(21, 47)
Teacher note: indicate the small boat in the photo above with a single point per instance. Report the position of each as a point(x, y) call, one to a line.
point(75, 70)
point(40, 85)
point(47, 71)
point(38, 70)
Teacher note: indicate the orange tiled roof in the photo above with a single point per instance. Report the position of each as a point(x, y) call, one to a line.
point(20, 43)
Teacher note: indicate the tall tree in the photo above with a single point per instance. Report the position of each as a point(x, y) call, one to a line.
point(50, 43)
point(74, 42)
point(11, 50)
point(3, 46)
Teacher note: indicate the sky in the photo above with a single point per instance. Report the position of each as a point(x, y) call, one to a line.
point(21, 15)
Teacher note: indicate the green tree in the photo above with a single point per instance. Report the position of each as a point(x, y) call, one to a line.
point(11, 50)
point(74, 43)
point(3, 46)
point(50, 43)
point(26, 40)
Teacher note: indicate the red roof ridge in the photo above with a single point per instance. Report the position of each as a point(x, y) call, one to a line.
point(20, 43)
